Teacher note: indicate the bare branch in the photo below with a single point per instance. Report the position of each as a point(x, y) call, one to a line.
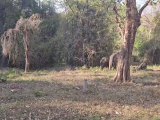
point(147, 20)
point(143, 7)
point(118, 21)
point(69, 6)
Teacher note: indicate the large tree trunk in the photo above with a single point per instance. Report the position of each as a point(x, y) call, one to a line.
point(131, 25)
point(27, 57)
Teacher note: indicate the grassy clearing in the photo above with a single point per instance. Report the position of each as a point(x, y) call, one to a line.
point(57, 94)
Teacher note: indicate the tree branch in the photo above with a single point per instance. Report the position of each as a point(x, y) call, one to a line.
point(118, 21)
point(143, 7)
point(69, 6)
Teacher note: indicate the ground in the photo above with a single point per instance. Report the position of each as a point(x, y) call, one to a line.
point(57, 94)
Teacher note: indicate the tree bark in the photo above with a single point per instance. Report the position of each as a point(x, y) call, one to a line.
point(131, 25)
point(27, 57)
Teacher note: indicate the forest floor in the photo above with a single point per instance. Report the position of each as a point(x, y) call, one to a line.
point(56, 94)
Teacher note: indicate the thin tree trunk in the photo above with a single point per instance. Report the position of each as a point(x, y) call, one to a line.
point(27, 57)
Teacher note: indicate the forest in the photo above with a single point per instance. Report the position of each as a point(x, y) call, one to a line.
point(80, 60)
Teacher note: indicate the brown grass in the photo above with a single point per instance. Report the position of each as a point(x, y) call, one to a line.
point(56, 94)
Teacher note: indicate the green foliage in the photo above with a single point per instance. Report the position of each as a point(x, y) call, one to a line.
point(42, 47)
point(44, 54)
point(8, 16)
point(10, 74)
point(49, 26)
point(13, 73)
point(3, 78)
point(145, 46)
point(27, 8)
point(157, 28)
point(37, 93)
point(140, 41)
point(87, 27)
point(11, 10)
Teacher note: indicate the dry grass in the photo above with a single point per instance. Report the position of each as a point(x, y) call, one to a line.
point(56, 94)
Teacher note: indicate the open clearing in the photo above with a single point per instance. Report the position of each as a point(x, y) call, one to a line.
point(54, 94)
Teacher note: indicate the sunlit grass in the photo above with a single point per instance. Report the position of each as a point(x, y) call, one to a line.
point(154, 67)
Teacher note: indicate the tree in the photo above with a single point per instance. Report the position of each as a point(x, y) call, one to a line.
point(128, 33)
point(42, 41)
point(89, 31)
point(24, 28)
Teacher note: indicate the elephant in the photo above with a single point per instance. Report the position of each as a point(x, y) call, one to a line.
point(142, 66)
point(104, 62)
point(113, 60)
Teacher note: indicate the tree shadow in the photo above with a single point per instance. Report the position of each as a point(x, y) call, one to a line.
point(150, 83)
point(149, 79)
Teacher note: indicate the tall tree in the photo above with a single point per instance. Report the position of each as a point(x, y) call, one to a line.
point(132, 22)
point(9, 39)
